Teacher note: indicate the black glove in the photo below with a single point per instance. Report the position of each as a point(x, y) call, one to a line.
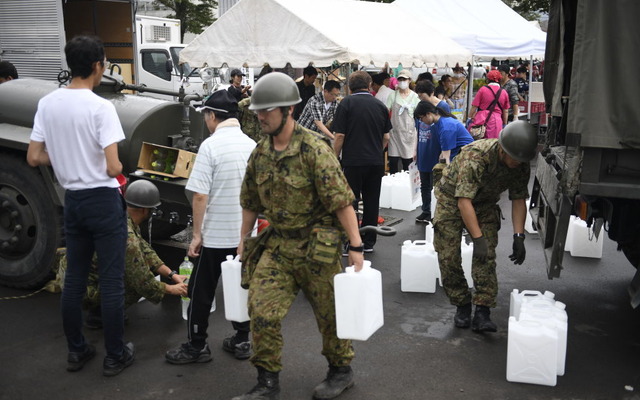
point(480, 248)
point(519, 251)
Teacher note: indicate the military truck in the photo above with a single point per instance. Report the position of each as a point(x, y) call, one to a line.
point(589, 165)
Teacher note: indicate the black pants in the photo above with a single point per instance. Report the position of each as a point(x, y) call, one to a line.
point(202, 289)
point(365, 182)
point(393, 164)
point(426, 185)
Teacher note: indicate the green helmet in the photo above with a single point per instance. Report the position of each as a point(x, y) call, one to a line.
point(142, 194)
point(274, 90)
point(519, 140)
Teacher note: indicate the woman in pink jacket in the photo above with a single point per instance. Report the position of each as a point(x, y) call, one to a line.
point(486, 96)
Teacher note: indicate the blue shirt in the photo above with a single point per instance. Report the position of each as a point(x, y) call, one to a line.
point(428, 150)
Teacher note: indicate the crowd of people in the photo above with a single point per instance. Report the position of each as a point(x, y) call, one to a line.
point(302, 160)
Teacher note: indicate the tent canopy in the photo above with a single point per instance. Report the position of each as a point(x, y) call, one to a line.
point(299, 32)
point(488, 28)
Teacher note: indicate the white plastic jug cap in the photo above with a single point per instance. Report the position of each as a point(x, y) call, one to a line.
point(229, 257)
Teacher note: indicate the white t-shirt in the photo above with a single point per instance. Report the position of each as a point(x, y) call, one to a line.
point(383, 94)
point(76, 125)
point(218, 172)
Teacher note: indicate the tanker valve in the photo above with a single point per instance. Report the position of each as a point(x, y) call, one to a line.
point(174, 217)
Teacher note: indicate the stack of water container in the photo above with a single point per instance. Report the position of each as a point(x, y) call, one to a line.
point(581, 241)
point(397, 191)
point(537, 343)
point(419, 268)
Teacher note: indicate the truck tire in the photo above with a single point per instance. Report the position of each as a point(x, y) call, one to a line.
point(631, 250)
point(30, 225)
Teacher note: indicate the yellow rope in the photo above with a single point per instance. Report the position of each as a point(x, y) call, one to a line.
point(22, 297)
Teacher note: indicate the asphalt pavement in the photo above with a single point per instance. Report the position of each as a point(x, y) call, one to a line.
point(417, 354)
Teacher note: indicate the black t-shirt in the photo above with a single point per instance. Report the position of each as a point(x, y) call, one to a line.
point(363, 120)
point(235, 92)
point(306, 92)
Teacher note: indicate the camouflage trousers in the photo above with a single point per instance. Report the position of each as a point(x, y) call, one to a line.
point(279, 276)
point(447, 226)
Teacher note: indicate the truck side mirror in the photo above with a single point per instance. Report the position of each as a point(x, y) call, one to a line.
point(168, 65)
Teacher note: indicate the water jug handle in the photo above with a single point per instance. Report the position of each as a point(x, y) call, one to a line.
point(365, 265)
point(236, 259)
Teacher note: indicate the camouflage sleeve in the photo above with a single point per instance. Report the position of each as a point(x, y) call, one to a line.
point(151, 258)
point(518, 187)
point(332, 187)
point(470, 170)
point(139, 280)
point(249, 197)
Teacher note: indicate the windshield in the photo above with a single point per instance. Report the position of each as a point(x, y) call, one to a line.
point(175, 57)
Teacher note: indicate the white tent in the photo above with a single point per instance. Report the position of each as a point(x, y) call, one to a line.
point(487, 28)
point(254, 32)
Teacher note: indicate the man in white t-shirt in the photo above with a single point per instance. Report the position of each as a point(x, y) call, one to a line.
point(215, 181)
point(77, 133)
point(380, 85)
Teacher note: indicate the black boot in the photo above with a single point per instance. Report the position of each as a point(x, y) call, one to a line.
point(338, 380)
point(481, 320)
point(462, 318)
point(268, 387)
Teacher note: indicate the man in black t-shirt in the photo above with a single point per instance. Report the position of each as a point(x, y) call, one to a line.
point(361, 126)
point(306, 88)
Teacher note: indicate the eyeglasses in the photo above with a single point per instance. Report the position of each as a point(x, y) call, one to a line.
point(264, 110)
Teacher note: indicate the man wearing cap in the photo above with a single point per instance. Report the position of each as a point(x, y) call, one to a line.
point(141, 261)
point(236, 89)
point(467, 195)
point(215, 182)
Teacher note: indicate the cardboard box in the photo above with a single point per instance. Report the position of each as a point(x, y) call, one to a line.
point(165, 161)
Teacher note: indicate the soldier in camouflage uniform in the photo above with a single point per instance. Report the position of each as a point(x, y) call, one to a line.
point(295, 180)
point(141, 261)
point(249, 120)
point(467, 195)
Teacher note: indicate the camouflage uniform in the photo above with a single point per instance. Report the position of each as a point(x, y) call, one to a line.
point(249, 120)
point(294, 189)
point(478, 174)
point(141, 264)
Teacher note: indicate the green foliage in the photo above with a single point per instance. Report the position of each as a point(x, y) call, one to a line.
point(193, 17)
point(529, 9)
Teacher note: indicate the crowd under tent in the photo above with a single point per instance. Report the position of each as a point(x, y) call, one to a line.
point(487, 28)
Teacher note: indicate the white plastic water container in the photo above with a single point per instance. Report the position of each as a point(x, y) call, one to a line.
point(358, 298)
point(401, 196)
point(385, 191)
point(433, 203)
point(428, 233)
point(235, 297)
point(418, 267)
point(532, 351)
point(581, 241)
point(467, 261)
point(541, 310)
point(518, 298)
point(528, 222)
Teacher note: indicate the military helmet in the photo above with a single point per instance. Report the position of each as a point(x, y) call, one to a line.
point(274, 90)
point(142, 194)
point(519, 140)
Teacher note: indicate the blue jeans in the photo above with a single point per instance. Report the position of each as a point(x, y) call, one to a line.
point(95, 221)
point(426, 185)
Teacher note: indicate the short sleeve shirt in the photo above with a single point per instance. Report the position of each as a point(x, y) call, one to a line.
point(316, 110)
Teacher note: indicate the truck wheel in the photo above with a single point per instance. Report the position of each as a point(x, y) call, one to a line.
point(29, 225)
point(631, 250)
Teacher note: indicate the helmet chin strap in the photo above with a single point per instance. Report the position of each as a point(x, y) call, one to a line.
point(285, 114)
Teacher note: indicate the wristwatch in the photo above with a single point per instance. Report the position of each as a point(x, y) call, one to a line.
point(359, 249)
point(171, 274)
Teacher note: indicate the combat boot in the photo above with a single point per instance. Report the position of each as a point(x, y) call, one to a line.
point(462, 318)
point(268, 387)
point(481, 320)
point(338, 380)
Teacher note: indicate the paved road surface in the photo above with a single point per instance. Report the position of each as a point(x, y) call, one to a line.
point(416, 355)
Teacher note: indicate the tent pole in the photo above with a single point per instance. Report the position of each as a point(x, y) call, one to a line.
point(469, 88)
point(530, 80)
